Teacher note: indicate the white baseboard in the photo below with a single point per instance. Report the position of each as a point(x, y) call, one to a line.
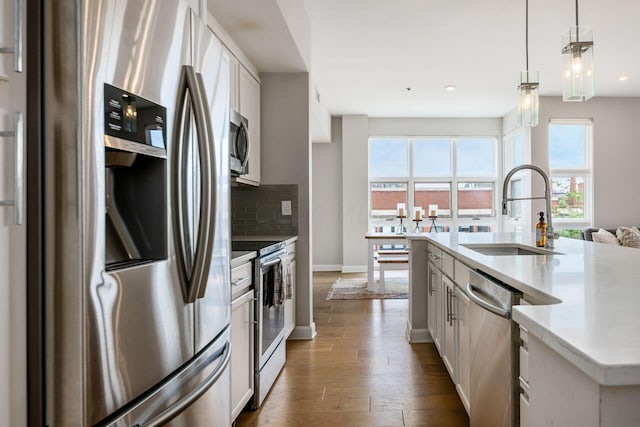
point(417, 335)
point(327, 267)
point(304, 332)
point(354, 268)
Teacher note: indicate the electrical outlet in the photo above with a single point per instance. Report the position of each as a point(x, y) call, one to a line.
point(286, 207)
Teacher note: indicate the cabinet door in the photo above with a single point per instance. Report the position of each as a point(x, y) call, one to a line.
point(431, 300)
point(449, 327)
point(234, 89)
point(464, 358)
point(241, 352)
point(439, 309)
point(250, 108)
point(290, 304)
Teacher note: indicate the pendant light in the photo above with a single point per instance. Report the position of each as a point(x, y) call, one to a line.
point(528, 107)
point(577, 63)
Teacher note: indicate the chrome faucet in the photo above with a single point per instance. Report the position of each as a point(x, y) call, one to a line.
point(551, 236)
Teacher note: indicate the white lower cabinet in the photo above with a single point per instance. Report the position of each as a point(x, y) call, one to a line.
point(241, 352)
point(290, 303)
point(448, 317)
point(436, 301)
point(449, 354)
point(464, 354)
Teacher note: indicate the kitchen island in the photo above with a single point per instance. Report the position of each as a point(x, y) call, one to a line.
point(580, 315)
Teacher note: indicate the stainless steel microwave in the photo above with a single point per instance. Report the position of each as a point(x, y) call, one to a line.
point(239, 140)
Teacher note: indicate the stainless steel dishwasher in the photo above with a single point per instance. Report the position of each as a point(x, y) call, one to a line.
point(494, 352)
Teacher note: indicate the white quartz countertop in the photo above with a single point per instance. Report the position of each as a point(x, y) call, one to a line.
point(587, 298)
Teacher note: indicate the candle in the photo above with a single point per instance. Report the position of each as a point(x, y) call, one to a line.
point(433, 210)
point(417, 213)
point(401, 208)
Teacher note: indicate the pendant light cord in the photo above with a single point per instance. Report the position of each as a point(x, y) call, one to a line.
point(577, 28)
point(526, 36)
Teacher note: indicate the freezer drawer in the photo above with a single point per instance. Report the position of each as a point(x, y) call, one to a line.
point(196, 394)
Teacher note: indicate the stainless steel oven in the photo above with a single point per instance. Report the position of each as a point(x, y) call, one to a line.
point(270, 350)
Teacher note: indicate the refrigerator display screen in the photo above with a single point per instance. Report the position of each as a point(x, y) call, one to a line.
point(133, 118)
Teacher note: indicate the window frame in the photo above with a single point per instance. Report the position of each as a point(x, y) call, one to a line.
point(454, 220)
point(585, 172)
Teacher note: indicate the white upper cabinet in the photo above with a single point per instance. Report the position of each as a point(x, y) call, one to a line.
point(249, 107)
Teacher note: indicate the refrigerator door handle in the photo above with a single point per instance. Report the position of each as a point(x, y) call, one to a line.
point(211, 187)
point(192, 274)
point(182, 404)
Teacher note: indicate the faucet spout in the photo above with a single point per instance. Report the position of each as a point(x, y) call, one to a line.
point(547, 197)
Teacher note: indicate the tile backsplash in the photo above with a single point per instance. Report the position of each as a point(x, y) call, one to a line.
point(258, 210)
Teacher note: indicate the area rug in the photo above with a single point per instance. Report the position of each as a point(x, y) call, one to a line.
point(395, 288)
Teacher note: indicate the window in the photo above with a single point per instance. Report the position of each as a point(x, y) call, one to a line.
point(570, 169)
point(433, 193)
point(388, 158)
point(385, 196)
point(457, 174)
point(514, 155)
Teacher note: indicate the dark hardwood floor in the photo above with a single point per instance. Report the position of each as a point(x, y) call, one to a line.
point(359, 371)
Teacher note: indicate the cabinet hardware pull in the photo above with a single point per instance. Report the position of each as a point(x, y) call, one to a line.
point(18, 187)
point(16, 49)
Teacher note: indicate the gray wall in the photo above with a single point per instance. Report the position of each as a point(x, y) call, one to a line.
point(286, 159)
point(327, 201)
point(616, 153)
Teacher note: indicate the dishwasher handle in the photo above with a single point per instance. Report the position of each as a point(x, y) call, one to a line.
point(472, 292)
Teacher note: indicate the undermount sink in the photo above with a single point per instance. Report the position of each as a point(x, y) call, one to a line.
point(497, 249)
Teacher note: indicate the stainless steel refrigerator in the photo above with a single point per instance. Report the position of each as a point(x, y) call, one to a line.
point(129, 213)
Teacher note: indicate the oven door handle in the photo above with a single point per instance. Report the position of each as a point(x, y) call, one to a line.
point(271, 263)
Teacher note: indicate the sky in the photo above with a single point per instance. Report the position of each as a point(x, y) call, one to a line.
point(389, 157)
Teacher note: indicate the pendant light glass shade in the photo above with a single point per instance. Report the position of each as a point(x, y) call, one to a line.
point(528, 106)
point(577, 64)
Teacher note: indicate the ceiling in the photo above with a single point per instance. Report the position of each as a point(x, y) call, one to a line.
point(393, 58)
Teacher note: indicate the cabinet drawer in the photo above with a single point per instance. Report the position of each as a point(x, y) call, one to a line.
point(447, 264)
point(434, 255)
point(241, 278)
point(462, 273)
point(524, 364)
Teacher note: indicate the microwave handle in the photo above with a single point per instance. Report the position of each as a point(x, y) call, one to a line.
point(245, 160)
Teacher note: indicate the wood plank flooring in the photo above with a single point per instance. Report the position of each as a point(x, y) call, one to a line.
point(359, 371)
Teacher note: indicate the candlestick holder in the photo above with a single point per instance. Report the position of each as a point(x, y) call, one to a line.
point(417, 229)
point(401, 229)
point(433, 223)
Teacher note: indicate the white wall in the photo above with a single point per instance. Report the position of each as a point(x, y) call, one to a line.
point(327, 201)
point(616, 153)
point(353, 165)
point(355, 135)
point(285, 158)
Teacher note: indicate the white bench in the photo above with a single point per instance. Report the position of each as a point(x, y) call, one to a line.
point(391, 260)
